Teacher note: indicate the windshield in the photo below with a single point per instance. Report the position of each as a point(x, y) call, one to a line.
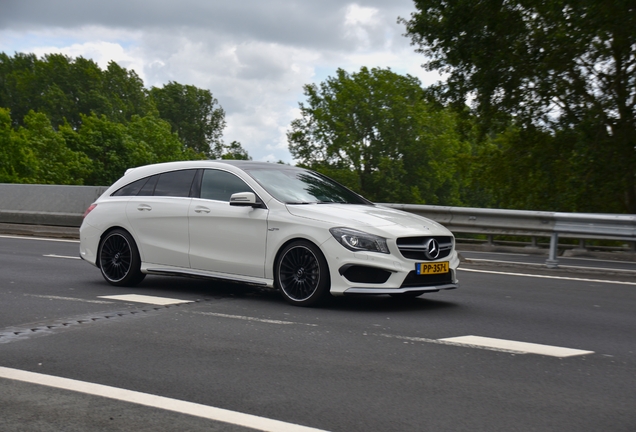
point(296, 186)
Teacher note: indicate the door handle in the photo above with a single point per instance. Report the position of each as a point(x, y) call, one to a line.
point(201, 209)
point(144, 207)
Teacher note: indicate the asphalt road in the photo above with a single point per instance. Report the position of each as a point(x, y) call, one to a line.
point(359, 364)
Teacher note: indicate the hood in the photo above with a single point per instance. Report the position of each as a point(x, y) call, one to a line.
point(360, 216)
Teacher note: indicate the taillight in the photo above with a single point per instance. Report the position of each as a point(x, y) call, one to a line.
point(89, 209)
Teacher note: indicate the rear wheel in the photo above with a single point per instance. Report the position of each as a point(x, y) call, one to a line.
point(302, 274)
point(119, 259)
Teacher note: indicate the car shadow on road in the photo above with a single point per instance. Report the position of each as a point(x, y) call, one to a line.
point(385, 303)
point(207, 290)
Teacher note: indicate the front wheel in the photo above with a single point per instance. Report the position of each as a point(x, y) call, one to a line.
point(302, 274)
point(119, 259)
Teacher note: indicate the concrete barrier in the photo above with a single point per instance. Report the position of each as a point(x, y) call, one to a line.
point(46, 204)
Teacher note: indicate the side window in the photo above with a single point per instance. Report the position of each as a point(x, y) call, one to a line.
point(131, 189)
point(175, 183)
point(220, 185)
point(149, 187)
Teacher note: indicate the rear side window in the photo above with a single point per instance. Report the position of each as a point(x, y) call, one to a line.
point(131, 189)
point(220, 185)
point(149, 188)
point(175, 183)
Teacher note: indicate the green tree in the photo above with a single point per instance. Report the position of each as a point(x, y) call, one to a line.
point(113, 147)
point(235, 150)
point(65, 89)
point(562, 68)
point(44, 157)
point(194, 115)
point(11, 161)
point(374, 132)
point(67, 120)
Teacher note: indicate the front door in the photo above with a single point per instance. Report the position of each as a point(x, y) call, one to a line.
point(224, 238)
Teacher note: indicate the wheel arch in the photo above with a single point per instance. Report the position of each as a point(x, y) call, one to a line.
point(289, 241)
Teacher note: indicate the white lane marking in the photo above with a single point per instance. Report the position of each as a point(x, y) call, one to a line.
point(525, 347)
point(516, 254)
point(162, 301)
point(500, 345)
point(503, 262)
point(168, 404)
point(247, 318)
point(491, 253)
point(61, 256)
point(616, 270)
point(69, 299)
point(39, 238)
point(443, 342)
point(548, 277)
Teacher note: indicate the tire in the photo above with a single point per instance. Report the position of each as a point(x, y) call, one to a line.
point(119, 259)
point(302, 275)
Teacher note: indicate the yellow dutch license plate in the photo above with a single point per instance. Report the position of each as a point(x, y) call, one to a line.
point(431, 268)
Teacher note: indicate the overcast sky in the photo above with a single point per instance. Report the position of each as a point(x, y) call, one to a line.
point(254, 56)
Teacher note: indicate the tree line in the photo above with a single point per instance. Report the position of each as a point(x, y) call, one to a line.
point(538, 112)
point(67, 121)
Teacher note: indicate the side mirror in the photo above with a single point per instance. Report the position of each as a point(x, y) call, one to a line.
point(245, 199)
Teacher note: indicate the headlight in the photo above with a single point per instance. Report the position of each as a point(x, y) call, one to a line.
point(358, 241)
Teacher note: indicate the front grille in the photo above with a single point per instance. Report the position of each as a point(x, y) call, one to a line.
point(415, 280)
point(415, 248)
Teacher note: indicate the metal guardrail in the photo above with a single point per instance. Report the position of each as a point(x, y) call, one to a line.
point(529, 223)
point(64, 206)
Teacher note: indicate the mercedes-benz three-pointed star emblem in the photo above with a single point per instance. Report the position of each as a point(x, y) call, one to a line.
point(432, 249)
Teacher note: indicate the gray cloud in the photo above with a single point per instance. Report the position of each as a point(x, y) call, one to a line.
point(300, 23)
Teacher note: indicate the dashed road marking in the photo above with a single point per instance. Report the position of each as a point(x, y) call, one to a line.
point(62, 256)
point(146, 399)
point(501, 345)
point(136, 298)
point(524, 347)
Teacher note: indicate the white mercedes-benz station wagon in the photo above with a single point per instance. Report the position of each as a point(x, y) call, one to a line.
point(263, 224)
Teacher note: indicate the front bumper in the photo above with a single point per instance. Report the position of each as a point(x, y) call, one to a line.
point(400, 272)
point(401, 290)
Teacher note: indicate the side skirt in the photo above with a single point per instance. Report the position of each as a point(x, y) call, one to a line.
point(201, 274)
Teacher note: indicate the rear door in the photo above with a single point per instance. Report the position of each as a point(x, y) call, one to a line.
point(159, 218)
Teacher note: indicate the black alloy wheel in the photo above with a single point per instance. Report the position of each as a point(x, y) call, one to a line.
point(119, 259)
point(302, 274)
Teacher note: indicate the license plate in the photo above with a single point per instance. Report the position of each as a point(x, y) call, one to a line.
point(431, 268)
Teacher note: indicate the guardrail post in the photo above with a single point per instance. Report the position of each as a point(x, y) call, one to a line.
point(534, 244)
point(552, 261)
